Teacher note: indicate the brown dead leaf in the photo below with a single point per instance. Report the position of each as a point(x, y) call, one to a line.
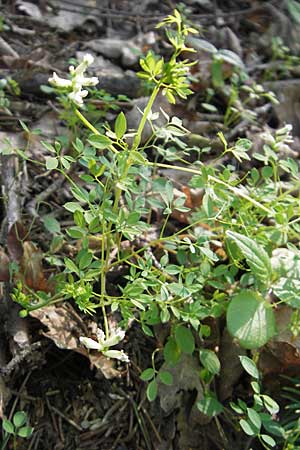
point(15, 237)
point(282, 353)
point(4, 266)
point(32, 268)
point(64, 326)
point(106, 365)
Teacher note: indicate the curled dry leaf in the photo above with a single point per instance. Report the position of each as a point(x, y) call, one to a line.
point(64, 326)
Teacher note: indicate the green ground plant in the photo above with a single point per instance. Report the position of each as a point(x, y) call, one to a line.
point(247, 214)
point(17, 427)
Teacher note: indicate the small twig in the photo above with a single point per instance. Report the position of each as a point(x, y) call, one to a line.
point(6, 49)
point(70, 421)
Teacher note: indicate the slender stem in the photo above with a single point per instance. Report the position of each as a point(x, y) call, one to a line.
point(92, 128)
point(138, 136)
point(233, 189)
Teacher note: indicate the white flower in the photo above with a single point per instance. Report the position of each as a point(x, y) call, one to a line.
point(116, 354)
point(77, 81)
point(60, 82)
point(90, 343)
point(102, 344)
point(78, 96)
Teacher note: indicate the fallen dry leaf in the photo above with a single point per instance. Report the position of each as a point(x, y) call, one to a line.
point(4, 266)
point(15, 236)
point(32, 268)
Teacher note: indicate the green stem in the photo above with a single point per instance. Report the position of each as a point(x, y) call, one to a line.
point(138, 136)
point(92, 128)
point(233, 189)
point(4, 442)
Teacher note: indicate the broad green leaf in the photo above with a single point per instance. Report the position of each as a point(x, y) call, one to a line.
point(85, 260)
point(184, 339)
point(249, 366)
point(210, 361)
point(99, 141)
point(171, 352)
point(256, 257)
point(8, 426)
point(147, 374)
point(254, 418)
point(51, 162)
point(51, 224)
point(270, 404)
point(268, 440)
point(25, 432)
point(248, 428)
point(19, 419)
point(152, 390)
point(165, 377)
point(120, 125)
point(210, 406)
point(250, 319)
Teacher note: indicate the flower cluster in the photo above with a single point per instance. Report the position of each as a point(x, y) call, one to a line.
point(103, 344)
point(74, 85)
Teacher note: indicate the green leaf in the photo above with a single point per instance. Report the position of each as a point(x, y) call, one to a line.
point(256, 257)
point(166, 377)
point(248, 428)
point(75, 232)
point(51, 162)
point(70, 265)
point(172, 352)
point(25, 432)
point(120, 125)
point(294, 10)
point(147, 374)
point(8, 426)
point(202, 44)
point(249, 366)
point(210, 406)
point(210, 361)
point(217, 73)
point(270, 404)
point(152, 390)
point(51, 224)
point(73, 206)
point(184, 339)
point(250, 319)
point(19, 419)
point(85, 260)
point(99, 141)
point(230, 57)
point(254, 418)
point(268, 440)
